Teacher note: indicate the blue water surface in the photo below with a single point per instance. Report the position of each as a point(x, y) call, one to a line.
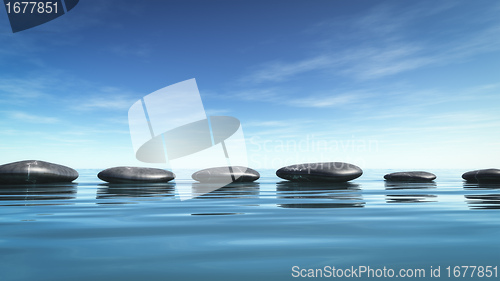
point(90, 230)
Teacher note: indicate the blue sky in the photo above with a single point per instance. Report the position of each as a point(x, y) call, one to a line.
point(381, 84)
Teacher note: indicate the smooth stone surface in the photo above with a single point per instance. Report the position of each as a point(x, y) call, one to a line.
point(483, 176)
point(320, 172)
point(35, 171)
point(226, 174)
point(414, 176)
point(135, 175)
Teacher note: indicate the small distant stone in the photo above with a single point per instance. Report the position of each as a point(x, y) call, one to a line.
point(135, 175)
point(320, 172)
point(483, 176)
point(413, 176)
point(34, 172)
point(226, 175)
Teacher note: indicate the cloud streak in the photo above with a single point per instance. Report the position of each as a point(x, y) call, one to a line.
point(390, 50)
point(109, 102)
point(325, 101)
point(281, 71)
point(281, 96)
point(15, 90)
point(31, 118)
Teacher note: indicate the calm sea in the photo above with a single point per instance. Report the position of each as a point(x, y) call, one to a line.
point(269, 230)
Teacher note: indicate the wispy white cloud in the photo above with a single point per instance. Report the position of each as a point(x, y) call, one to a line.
point(403, 114)
point(139, 51)
point(105, 102)
point(89, 131)
point(376, 62)
point(387, 19)
point(289, 97)
point(69, 141)
point(256, 94)
point(64, 91)
point(390, 50)
point(277, 129)
point(216, 112)
point(452, 130)
point(276, 133)
point(269, 123)
point(280, 71)
point(322, 101)
point(16, 90)
point(465, 118)
point(31, 118)
point(429, 106)
point(109, 98)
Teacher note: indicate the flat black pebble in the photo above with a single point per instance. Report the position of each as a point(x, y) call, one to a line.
point(226, 174)
point(483, 176)
point(320, 172)
point(34, 172)
point(135, 175)
point(413, 176)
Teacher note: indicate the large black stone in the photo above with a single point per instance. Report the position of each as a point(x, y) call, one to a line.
point(35, 171)
point(135, 175)
point(483, 176)
point(320, 172)
point(226, 174)
point(413, 176)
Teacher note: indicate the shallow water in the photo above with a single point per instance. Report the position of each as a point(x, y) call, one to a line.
point(93, 231)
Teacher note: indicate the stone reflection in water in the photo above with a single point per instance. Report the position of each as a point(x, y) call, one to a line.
point(216, 214)
point(409, 185)
point(113, 191)
point(230, 191)
point(319, 195)
point(490, 200)
point(235, 190)
point(406, 192)
point(37, 194)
